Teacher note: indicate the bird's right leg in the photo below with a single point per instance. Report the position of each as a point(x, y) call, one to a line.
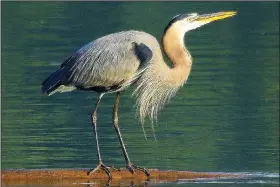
point(94, 126)
point(129, 165)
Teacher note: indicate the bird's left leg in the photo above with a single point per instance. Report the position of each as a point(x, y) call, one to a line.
point(129, 165)
point(94, 126)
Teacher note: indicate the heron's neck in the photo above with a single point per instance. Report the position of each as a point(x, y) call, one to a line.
point(173, 45)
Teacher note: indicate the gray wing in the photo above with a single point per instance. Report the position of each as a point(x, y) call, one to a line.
point(108, 61)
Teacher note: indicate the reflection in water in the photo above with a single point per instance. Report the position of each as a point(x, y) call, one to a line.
point(226, 118)
point(247, 178)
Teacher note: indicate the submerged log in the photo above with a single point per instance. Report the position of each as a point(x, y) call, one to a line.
point(80, 177)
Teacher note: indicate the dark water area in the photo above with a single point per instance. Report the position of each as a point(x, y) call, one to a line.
point(225, 119)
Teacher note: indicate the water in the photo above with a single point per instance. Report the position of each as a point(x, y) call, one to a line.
point(225, 119)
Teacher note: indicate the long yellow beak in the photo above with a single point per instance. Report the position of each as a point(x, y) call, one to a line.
point(214, 16)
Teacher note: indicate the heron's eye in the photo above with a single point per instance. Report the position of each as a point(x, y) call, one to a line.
point(191, 17)
point(193, 14)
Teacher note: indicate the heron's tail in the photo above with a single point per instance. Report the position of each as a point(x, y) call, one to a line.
point(52, 82)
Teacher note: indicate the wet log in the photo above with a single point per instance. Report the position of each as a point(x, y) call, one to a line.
point(80, 177)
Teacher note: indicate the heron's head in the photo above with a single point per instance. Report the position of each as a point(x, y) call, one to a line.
point(187, 22)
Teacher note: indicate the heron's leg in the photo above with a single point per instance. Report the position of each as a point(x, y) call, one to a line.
point(94, 126)
point(129, 165)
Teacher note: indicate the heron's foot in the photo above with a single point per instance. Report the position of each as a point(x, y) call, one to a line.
point(132, 167)
point(103, 167)
point(114, 168)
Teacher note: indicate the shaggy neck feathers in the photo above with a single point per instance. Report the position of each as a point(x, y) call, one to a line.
point(159, 82)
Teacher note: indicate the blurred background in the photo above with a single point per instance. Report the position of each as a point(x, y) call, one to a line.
point(226, 118)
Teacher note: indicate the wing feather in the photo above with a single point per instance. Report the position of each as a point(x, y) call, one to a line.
point(107, 61)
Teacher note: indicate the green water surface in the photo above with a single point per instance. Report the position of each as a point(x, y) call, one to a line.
point(225, 119)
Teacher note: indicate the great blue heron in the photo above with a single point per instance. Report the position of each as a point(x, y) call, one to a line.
point(112, 63)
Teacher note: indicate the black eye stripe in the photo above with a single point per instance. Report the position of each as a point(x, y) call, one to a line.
point(178, 18)
point(175, 19)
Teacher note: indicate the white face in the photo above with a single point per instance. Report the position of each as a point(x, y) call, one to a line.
point(186, 22)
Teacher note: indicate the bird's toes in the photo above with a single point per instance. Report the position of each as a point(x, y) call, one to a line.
point(132, 167)
point(144, 170)
point(108, 172)
point(113, 168)
point(103, 167)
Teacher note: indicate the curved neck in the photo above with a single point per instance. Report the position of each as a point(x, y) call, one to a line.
point(173, 46)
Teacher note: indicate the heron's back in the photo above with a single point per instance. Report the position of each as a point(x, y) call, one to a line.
point(109, 63)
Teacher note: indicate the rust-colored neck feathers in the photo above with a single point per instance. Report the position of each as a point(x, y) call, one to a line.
point(173, 45)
